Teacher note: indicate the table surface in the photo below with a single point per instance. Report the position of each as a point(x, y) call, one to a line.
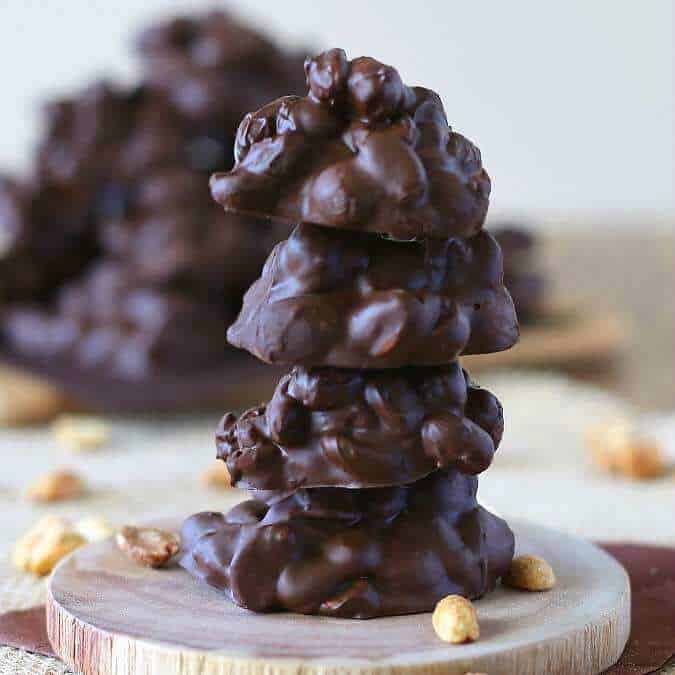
point(541, 471)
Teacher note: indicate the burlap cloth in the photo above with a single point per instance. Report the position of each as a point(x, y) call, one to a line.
point(152, 468)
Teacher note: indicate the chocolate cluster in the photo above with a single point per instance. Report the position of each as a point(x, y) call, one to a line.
point(116, 213)
point(114, 324)
point(364, 462)
point(362, 428)
point(527, 285)
point(352, 553)
point(361, 301)
point(214, 69)
point(361, 151)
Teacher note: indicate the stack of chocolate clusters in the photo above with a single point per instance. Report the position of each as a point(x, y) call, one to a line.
point(112, 256)
point(365, 460)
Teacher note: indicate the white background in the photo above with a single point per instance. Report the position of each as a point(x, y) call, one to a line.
point(571, 101)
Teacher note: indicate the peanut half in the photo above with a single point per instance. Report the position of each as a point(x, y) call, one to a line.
point(148, 546)
point(60, 485)
point(45, 544)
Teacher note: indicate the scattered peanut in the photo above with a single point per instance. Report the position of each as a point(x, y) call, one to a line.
point(57, 486)
point(94, 528)
point(25, 399)
point(217, 476)
point(455, 620)
point(530, 573)
point(148, 546)
point(41, 548)
point(619, 447)
point(80, 433)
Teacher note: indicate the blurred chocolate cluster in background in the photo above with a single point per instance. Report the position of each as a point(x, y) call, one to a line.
point(527, 284)
point(113, 257)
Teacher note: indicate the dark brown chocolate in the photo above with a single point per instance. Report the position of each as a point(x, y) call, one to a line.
point(46, 236)
point(361, 151)
point(119, 181)
point(171, 236)
point(527, 285)
point(358, 429)
point(214, 68)
point(352, 553)
point(365, 458)
point(111, 324)
point(360, 301)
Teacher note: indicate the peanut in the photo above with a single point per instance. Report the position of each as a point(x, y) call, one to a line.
point(455, 620)
point(80, 433)
point(44, 545)
point(619, 448)
point(56, 486)
point(530, 573)
point(25, 399)
point(148, 546)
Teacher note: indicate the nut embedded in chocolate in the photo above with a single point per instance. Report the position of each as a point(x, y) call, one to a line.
point(356, 300)
point(352, 553)
point(359, 429)
point(361, 151)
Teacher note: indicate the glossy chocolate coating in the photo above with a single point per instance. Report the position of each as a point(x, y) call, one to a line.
point(359, 429)
point(526, 283)
point(365, 459)
point(352, 553)
point(108, 322)
point(361, 151)
point(356, 300)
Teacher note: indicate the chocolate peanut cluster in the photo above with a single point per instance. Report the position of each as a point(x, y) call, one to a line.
point(356, 428)
point(111, 323)
point(361, 151)
point(361, 301)
point(364, 461)
point(116, 214)
point(352, 553)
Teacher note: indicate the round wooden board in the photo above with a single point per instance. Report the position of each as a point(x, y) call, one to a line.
point(106, 615)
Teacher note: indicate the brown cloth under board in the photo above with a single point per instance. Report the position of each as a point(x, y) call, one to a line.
point(652, 641)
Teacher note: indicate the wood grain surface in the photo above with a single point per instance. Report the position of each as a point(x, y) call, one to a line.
point(107, 616)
